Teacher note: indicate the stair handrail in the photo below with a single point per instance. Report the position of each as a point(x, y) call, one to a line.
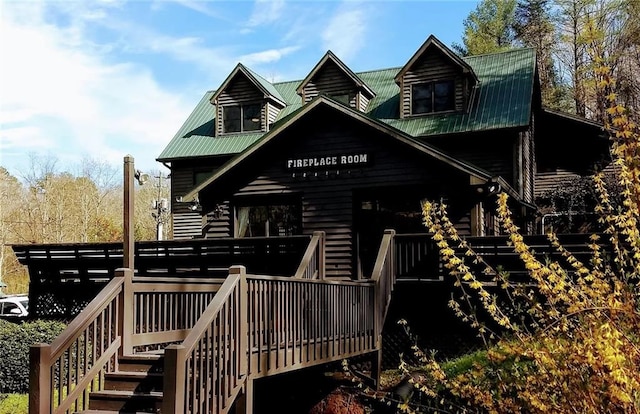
point(88, 344)
point(230, 373)
point(312, 265)
point(383, 276)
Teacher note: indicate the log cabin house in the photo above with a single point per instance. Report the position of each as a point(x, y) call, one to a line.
point(298, 237)
point(351, 154)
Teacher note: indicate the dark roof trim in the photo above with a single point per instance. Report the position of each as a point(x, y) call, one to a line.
point(345, 69)
point(323, 100)
point(432, 41)
point(262, 84)
point(573, 117)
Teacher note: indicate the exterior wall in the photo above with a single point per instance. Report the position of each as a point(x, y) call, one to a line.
point(363, 102)
point(431, 67)
point(528, 163)
point(492, 151)
point(328, 199)
point(330, 80)
point(549, 180)
point(188, 224)
point(240, 91)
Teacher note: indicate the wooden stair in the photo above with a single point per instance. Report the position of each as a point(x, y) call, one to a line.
point(135, 388)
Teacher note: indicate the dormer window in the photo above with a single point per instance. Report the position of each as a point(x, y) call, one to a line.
point(429, 97)
point(344, 98)
point(241, 118)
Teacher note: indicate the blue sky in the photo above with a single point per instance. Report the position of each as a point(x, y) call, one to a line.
point(102, 79)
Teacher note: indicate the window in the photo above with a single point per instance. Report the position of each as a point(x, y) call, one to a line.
point(343, 98)
point(433, 97)
point(241, 118)
point(268, 220)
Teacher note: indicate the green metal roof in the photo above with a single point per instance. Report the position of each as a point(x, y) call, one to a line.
point(503, 99)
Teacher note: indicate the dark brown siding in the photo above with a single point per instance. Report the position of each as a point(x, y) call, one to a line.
point(239, 91)
point(218, 223)
point(363, 102)
point(490, 151)
point(528, 164)
point(550, 180)
point(186, 223)
point(328, 200)
point(330, 80)
point(431, 67)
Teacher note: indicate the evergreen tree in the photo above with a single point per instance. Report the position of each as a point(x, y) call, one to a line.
point(534, 28)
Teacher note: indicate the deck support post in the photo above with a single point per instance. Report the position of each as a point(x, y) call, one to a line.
point(321, 254)
point(244, 404)
point(173, 390)
point(125, 311)
point(39, 379)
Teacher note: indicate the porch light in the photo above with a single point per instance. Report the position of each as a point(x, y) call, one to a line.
point(195, 205)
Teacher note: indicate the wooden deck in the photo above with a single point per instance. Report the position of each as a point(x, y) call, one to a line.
point(219, 334)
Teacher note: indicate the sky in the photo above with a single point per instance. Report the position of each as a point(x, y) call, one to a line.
point(100, 79)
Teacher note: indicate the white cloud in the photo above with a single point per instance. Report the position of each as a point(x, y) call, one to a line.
point(60, 94)
point(346, 32)
point(265, 12)
point(267, 56)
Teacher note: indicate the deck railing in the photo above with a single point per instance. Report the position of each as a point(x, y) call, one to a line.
point(265, 325)
point(62, 374)
point(417, 256)
point(312, 265)
point(295, 323)
point(54, 268)
point(384, 277)
point(206, 371)
point(128, 314)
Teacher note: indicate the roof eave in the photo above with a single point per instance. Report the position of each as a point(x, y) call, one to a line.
point(385, 128)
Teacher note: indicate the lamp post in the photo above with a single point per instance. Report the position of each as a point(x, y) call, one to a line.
point(127, 214)
point(160, 207)
point(125, 306)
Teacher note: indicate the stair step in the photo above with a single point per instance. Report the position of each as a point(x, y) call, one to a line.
point(137, 381)
point(152, 363)
point(126, 401)
point(110, 412)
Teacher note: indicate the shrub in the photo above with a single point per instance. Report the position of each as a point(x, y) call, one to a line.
point(14, 404)
point(15, 340)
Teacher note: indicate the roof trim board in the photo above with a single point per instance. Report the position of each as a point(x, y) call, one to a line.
point(330, 56)
point(432, 41)
point(262, 84)
point(323, 100)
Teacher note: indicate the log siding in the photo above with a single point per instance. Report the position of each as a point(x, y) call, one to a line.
point(328, 198)
point(431, 67)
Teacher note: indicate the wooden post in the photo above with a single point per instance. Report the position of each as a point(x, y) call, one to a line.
point(39, 379)
point(245, 400)
point(128, 252)
point(321, 254)
point(174, 391)
point(125, 311)
point(243, 303)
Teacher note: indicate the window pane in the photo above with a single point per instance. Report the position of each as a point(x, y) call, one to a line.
point(421, 98)
point(251, 118)
point(274, 220)
point(231, 118)
point(444, 96)
point(344, 98)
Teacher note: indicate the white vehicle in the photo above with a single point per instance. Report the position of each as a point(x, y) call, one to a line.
point(14, 307)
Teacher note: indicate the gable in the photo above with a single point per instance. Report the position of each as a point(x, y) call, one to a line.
point(501, 99)
point(309, 111)
point(331, 77)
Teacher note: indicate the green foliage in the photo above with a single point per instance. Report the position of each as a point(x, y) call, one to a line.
point(15, 340)
point(14, 404)
point(489, 28)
